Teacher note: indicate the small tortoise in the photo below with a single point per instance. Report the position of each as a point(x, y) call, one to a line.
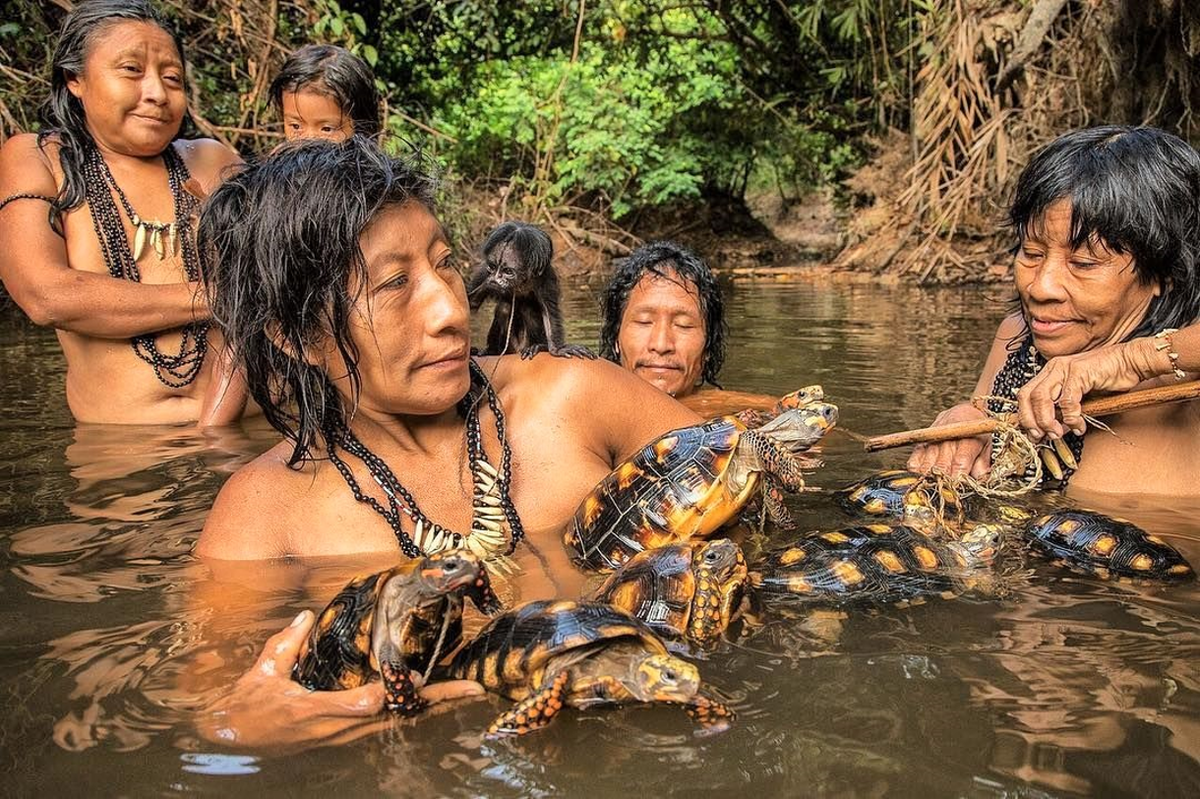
point(687, 590)
point(797, 399)
point(874, 563)
point(902, 495)
point(394, 623)
point(547, 654)
point(1096, 544)
point(690, 482)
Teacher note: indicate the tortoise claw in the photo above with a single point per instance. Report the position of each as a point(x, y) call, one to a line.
point(400, 692)
point(712, 717)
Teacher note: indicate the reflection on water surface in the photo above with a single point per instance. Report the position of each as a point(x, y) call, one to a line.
point(1058, 684)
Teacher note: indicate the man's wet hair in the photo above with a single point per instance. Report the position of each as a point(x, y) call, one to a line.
point(1134, 189)
point(283, 269)
point(672, 262)
point(62, 113)
point(335, 73)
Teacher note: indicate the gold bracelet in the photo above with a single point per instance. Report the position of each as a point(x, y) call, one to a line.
point(1164, 342)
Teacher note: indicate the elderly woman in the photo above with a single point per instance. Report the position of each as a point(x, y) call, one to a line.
point(1108, 228)
point(96, 219)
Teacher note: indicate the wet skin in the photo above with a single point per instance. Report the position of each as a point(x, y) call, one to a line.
point(662, 335)
point(132, 92)
point(1079, 304)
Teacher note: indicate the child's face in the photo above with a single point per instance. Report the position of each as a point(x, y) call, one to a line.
point(309, 115)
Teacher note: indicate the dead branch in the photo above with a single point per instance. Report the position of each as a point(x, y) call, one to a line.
point(1032, 35)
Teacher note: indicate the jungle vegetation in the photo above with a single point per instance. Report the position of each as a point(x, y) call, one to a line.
point(581, 114)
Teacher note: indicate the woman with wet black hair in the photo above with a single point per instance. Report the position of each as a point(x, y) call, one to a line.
point(1106, 271)
point(326, 92)
point(96, 217)
point(340, 293)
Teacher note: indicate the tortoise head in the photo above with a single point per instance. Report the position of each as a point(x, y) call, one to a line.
point(798, 399)
point(665, 678)
point(458, 571)
point(980, 543)
point(721, 576)
point(800, 428)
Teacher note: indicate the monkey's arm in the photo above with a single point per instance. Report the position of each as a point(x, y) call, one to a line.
point(552, 323)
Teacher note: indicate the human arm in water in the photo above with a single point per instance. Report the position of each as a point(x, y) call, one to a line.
point(971, 456)
point(225, 398)
point(1050, 403)
point(38, 276)
point(267, 709)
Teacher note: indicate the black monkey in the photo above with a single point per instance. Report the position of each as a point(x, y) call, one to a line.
point(516, 272)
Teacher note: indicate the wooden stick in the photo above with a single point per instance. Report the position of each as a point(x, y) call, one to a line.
point(1104, 406)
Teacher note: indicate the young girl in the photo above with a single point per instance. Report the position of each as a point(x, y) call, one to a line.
point(326, 92)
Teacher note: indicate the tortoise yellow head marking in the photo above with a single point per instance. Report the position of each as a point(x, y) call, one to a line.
point(665, 678)
point(926, 557)
point(847, 572)
point(889, 561)
point(793, 555)
point(1141, 562)
point(663, 446)
point(1104, 544)
point(835, 537)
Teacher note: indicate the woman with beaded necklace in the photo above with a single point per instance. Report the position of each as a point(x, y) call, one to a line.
point(1107, 274)
point(347, 310)
point(113, 266)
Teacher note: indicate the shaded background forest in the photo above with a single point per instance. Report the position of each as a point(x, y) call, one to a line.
point(610, 119)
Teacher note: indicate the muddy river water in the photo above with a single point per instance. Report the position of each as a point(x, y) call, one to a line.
point(1055, 684)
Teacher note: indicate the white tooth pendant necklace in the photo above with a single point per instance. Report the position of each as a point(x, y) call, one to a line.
point(495, 526)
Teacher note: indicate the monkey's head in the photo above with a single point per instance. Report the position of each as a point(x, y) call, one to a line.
point(517, 256)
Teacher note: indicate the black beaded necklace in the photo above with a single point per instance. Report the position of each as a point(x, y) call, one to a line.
point(173, 371)
point(493, 510)
point(1021, 365)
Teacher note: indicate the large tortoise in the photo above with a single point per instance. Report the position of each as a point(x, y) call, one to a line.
point(690, 590)
point(874, 563)
point(395, 623)
point(1102, 546)
point(690, 482)
point(548, 654)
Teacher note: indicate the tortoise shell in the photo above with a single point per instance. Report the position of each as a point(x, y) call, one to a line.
point(687, 590)
point(901, 494)
point(393, 622)
point(873, 563)
point(679, 486)
point(1103, 546)
point(511, 652)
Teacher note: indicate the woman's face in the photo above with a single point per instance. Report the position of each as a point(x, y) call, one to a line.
point(312, 115)
point(131, 89)
point(410, 323)
point(1076, 299)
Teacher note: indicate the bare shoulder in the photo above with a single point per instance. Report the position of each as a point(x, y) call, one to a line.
point(209, 161)
point(250, 519)
point(25, 166)
point(614, 409)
